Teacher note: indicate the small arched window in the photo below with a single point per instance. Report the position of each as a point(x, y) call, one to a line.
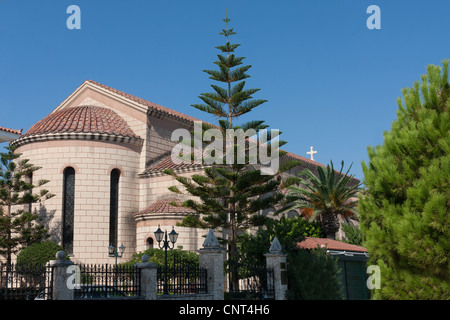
point(29, 180)
point(149, 243)
point(68, 209)
point(114, 207)
point(292, 214)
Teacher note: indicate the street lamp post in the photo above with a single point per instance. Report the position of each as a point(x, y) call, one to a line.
point(173, 236)
point(116, 254)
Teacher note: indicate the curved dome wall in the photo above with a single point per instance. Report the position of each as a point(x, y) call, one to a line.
point(93, 141)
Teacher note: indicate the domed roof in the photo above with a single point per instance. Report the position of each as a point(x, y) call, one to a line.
point(82, 119)
point(163, 209)
point(165, 206)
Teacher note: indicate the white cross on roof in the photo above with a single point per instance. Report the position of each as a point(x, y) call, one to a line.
point(312, 153)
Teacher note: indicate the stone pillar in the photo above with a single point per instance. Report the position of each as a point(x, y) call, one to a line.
point(62, 285)
point(148, 278)
point(276, 260)
point(212, 258)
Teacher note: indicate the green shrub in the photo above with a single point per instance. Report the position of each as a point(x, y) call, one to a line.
point(157, 256)
point(352, 234)
point(289, 231)
point(38, 253)
point(313, 275)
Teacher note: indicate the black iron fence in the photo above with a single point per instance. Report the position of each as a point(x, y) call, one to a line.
point(182, 278)
point(26, 282)
point(249, 281)
point(108, 282)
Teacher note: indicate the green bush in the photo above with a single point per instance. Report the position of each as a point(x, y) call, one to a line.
point(38, 253)
point(313, 275)
point(289, 231)
point(352, 234)
point(157, 256)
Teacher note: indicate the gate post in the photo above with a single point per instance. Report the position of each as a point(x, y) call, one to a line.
point(276, 260)
point(211, 258)
point(148, 278)
point(61, 288)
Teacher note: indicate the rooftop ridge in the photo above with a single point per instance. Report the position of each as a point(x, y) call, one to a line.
point(18, 132)
point(147, 103)
point(165, 206)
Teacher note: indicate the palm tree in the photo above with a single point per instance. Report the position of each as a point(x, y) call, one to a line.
point(324, 197)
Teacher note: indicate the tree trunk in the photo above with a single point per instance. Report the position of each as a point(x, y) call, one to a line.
point(330, 225)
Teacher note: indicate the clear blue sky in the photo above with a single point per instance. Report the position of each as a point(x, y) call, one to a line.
point(331, 82)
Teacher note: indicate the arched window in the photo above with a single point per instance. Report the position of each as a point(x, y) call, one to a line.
point(149, 243)
point(292, 214)
point(114, 206)
point(29, 180)
point(68, 209)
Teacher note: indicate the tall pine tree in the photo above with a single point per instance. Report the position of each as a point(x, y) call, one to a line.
point(19, 227)
point(405, 212)
point(230, 195)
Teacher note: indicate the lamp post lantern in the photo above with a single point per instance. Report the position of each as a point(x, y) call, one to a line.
point(173, 236)
point(112, 252)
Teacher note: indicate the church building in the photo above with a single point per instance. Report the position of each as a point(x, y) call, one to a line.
point(103, 152)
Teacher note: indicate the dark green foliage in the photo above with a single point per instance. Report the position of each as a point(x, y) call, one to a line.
point(352, 234)
point(289, 231)
point(313, 275)
point(405, 210)
point(230, 194)
point(221, 189)
point(328, 195)
point(233, 101)
point(157, 256)
point(18, 227)
point(39, 253)
point(192, 221)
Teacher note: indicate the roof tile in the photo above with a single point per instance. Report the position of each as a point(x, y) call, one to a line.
point(19, 132)
point(164, 206)
point(82, 119)
point(312, 243)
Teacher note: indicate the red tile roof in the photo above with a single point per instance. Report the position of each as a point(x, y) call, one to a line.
point(18, 132)
point(82, 119)
point(167, 163)
point(312, 243)
point(164, 206)
point(307, 163)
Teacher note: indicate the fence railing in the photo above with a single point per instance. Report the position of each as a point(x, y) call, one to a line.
point(249, 281)
point(182, 278)
point(108, 282)
point(53, 281)
point(26, 282)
